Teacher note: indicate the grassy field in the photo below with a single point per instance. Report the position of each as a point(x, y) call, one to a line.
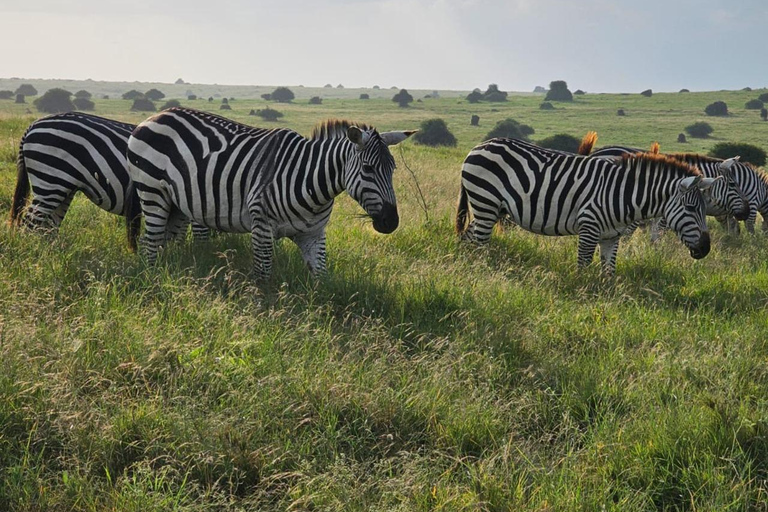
point(420, 374)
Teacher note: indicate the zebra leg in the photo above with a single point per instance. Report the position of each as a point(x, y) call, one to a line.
point(58, 214)
point(750, 222)
point(176, 227)
point(312, 249)
point(480, 230)
point(200, 233)
point(589, 235)
point(157, 210)
point(608, 249)
point(46, 212)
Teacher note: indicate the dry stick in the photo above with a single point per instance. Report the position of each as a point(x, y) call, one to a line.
point(423, 204)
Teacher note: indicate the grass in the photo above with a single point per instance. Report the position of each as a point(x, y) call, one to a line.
point(420, 374)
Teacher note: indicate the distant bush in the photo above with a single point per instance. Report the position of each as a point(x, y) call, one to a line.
point(26, 90)
point(133, 94)
point(402, 98)
point(191, 97)
point(546, 106)
point(364, 96)
point(179, 81)
point(475, 96)
point(6, 95)
point(266, 96)
point(647, 93)
point(225, 106)
point(747, 89)
point(748, 152)
point(718, 108)
point(282, 95)
point(143, 105)
point(328, 86)
point(475, 120)
point(699, 130)
point(764, 114)
point(579, 92)
point(621, 112)
point(684, 90)
point(681, 138)
point(494, 94)
point(20, 98)
point(376, 87)
point(315, 100)
point(170, 104)
point(231, 98)
point(55, 100)
point(83, 104)
point(558, 91)
point(434, 132)
point(763, 97)
point(269, 114)
point(224, 101)
point(510, 129)
point(154, 95)
point(83, 94)
point(561, 142)
point(754, 105)
point(252, 113)
point(210, 99)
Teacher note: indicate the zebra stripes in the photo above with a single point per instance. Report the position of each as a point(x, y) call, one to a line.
point(271, 183)
point(553, 193)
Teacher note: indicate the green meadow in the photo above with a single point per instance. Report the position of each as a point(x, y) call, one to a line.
point(420, 374)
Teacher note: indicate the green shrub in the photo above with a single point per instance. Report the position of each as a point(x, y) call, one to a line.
point(546, 106)
point(684, 90)
point(83, 94)
point(475, 96)
point(191, 97)
point(83, 104)
point(225, 106)
point(20, 98)
point(474, 120)
point(315, 100)
point(365, 96)
point(434, 132)
point(494, 94)
point(511, 129)
point(55, 100)
point(170, 104)
point(700, 130)
point(6, 95)
point(561, 142)
point(282, 95)
point(26, 90)
point(269, 114)
point(133, 94)
point(143, 105)
point(754, 105)
point(647, 93)
point(764, 114)
point(558, 91)
point(402, 98)
point(748, 152)
point(681, 138)
point(578, 92)
point(621, 112)
point(718, 108)
point(154, 95)
point(763, 97)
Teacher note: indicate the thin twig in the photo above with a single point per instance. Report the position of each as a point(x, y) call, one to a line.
point(423, 204)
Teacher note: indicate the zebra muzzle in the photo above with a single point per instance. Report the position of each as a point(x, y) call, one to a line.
point(387, 220)
point(743, 213)
point(702, 249)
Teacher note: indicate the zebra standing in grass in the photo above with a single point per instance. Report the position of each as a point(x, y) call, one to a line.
point(271, 183)
point(62, 154)
point(553, 193)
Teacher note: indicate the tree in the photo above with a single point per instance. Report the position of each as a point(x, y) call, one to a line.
point(170, 104)
point(83, 94)
point(579, 92)
point(133, 94)
point(315, 100)
point(494, 94)
point(55, 100)
point(154, 95)
point(26, 90)
point(754, 105)
point(282, 95)
point(339, 86)
point(718, 108)
point(699, 130)
point(143, 105)
point(475, 96)
point(511, 129)
point(179, 81)
point(764, 114)
point(434, 132)
point(365, 96)
point(402, 98)
point(6, 95)
point(684, 90)
point(558, 91)
point(561, 142)
point(83, 104)
point(376, 87)
point(20, 98)
point(647, 93)
point(749, 153)
point(269, 114)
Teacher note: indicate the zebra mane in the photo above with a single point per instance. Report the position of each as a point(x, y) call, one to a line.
point(698, 158)
point(629, 159)
point(335, 129)
point(587, 143)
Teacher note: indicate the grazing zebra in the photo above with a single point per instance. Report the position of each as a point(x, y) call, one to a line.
point(62, 154)
point(272, 183)
point(553, 193)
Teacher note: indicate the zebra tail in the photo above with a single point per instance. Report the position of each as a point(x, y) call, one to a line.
point(21, 193)
point(587, 143)
point(462, 212)
point(132, 217)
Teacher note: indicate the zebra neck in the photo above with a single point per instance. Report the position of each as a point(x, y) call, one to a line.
point(320, 165)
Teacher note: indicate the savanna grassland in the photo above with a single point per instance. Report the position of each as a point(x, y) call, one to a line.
point(419, 374)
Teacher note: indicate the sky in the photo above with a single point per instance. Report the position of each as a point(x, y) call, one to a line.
point(594, 45)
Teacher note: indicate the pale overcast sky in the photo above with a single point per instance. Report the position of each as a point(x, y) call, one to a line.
point(595, 45)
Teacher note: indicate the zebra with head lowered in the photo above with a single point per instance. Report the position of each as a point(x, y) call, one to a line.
point(554, 193)
point(272, 183)
point(62, 154)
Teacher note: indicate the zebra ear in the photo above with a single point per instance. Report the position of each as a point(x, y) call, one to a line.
point(392, 138)
point(727, 164)
point(706, 183)
point(358, 136)
point(687, 183)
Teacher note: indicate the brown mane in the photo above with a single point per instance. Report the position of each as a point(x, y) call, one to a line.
point(655, 148)
point(335, 129)
point(587, 143)
point(678, 165)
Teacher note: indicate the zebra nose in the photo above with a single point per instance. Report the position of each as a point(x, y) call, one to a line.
point(387, 220)
point(702, 249)
point(743, 213)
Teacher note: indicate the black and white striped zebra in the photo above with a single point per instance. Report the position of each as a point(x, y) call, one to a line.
point(62, 154)
point(554, 193)
point(271, 183)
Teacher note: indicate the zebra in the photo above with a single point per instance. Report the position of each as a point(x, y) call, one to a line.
point(272, 183)
point(553, 193)
point(62, 154)
point(726, 197)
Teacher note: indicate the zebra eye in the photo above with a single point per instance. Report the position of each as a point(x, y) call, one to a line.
point(368, 168)
point(690, 208)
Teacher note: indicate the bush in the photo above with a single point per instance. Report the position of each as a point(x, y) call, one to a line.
point(83, 94)
point(154, 95)
point(210, 99)
point(133, 94)
point(20, 98)
point(191, 97)
point(748, 152)
point(225, 101)
point(475, 96)
point(269, 114)
point(546, 106)
point(54, 100)
point(647, 93)
point(266, 96)
point(684, 90)
point(754, 105)
point(510, 129)
point(558, 91)
point(83, 104)
point(681, 138)
point(364, 96)
point(475, 120)
point(579, 92)
point(718, 108)
point(763, 97)
point(26, 90)
point(402, 98)
point(225, 106)
point(315, 100)
point(747, 89)
point(143, 105)
point(339, 86)
point(328, 86)
point(764, 114)
point(494, 94)
point(179, 81)
point(170, 104)
point(6, 95)
point(561, 142)
point(434, 132)
point(621, 112)
point(699, 130)
point(282, 95)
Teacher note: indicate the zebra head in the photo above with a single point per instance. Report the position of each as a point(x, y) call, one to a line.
point(686, 213)
point(368, 175)
point(726, 194)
